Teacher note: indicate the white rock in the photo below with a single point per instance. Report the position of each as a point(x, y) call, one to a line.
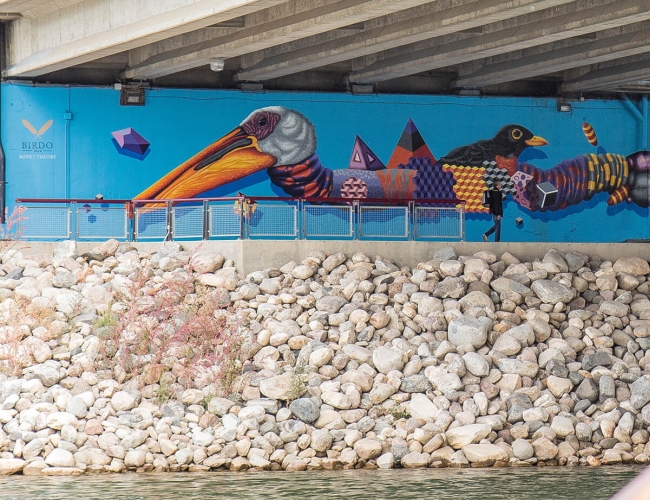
point(58, 419)
point(122, 401)
point(387, 360)
point(507, 344)
point(469, 330)
point(368, 448)
point(135, 458)
point(203, 439)
point(321, 356)
point(559, 386)
point(522, 449)
point(60, 458)
point(10, 466)
point(484, 454)
point(458, 437)
point(337, 400)
point(562, 426)
point(476, 364)
point(386, 461)
point(420, 406)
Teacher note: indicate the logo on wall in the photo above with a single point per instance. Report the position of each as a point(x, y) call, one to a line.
point(37, 147)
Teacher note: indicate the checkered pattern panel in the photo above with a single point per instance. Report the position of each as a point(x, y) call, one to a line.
point(431, 181)
point(494, 174)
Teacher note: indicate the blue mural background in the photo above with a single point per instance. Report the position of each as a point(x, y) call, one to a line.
point(80, 159)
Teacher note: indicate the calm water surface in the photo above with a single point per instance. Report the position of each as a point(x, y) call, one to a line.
point(581, 483)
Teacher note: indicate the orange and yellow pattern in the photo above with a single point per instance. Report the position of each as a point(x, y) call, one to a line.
point(469, 186)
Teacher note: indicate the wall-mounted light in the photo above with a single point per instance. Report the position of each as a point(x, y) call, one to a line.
point(362, 88)
point(563, 107)
point(217, 64)
point(131, 95)
point(251, 86)
point(469, 92)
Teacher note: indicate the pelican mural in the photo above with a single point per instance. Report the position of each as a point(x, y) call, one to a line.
point(283, 142)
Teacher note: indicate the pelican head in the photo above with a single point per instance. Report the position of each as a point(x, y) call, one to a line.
point(269, 137)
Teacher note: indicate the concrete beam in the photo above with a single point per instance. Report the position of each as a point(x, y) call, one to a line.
point(467, 15)
point(35, 8)
point(99, 28)
point(611, 45)
point(336, 14)
point(611, 76)
point(540, 28)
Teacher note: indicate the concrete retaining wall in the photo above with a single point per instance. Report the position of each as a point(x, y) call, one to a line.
point(252, 255)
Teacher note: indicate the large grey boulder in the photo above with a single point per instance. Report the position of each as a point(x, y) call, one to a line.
point(552, 292)
point(469, 330)
point(640, 392)
point(305, 409)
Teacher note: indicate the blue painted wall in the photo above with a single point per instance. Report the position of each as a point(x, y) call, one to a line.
point(75, 157)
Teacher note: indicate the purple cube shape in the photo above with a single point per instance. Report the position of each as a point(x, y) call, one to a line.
point(130, 140)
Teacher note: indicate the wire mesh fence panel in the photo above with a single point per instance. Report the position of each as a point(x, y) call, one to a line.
point(151, 223)
point(46, 222)
point(328, 221)
point(273, 220)
point(101, 222)
point(187, 222)
point(383, 222)
point(439, 222)
point(225, 220)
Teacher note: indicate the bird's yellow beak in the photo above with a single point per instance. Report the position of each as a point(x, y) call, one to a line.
point(537, 141)
point(228, 159)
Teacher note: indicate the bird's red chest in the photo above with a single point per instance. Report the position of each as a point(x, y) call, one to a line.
point(508, 164)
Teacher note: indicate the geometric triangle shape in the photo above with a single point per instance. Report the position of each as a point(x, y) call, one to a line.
point(363, 158)
point(410, 145)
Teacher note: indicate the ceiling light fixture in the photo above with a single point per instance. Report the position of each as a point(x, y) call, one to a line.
point(217, 64)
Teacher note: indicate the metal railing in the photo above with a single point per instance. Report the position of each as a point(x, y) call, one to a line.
point(243, 217)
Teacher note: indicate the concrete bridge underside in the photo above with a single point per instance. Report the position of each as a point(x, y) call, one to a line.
point(492, 47)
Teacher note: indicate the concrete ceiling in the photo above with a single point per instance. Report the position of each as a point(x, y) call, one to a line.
point(492, 47)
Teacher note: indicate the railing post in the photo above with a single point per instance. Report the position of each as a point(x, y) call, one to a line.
point(301, 219)
point(73, 221)
point(357, 217)
point(130, 215)
point(206, 220)
point(169, 235)
point(462, 222)
point(412, 221)
point(242, 226)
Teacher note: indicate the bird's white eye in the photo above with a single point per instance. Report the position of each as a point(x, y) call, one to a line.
point(516, 134)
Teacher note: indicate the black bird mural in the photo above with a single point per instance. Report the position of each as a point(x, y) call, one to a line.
point(504, 149)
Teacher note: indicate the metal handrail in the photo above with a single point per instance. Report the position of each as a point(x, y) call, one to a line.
point(252, 216)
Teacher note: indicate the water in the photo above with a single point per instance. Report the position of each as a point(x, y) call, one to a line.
point(543, 483)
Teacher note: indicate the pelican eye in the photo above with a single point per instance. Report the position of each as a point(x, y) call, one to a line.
point(262, 124)
point(516, 134)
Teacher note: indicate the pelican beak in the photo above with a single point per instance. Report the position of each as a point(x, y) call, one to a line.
point(537, 141)
point(234, 156)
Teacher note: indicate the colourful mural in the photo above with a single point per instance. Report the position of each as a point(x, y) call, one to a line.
point(283, 142)
point(584, 185)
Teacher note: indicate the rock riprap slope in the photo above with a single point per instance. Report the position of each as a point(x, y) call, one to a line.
point(347, 362)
